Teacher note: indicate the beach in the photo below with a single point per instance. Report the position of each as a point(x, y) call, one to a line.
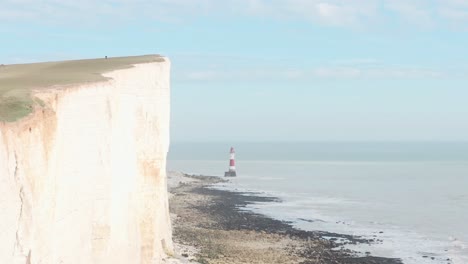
point(411, 197)
point(209, 226)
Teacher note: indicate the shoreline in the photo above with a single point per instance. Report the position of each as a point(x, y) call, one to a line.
point(209, 228)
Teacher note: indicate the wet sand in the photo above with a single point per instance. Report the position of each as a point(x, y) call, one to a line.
point(209, 228)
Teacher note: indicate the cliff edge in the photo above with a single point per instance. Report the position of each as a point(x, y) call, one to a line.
point(82, 177)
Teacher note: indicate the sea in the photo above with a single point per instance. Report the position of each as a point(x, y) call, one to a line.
point(411, 195)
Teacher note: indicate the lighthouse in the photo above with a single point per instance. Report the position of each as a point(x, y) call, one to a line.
point(232, 164)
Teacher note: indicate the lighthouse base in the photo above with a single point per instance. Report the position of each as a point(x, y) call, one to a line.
point(230, 174)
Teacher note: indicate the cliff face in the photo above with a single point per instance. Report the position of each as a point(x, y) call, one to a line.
point(82, 179)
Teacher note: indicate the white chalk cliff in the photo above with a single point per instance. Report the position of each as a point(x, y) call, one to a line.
point(82, 179)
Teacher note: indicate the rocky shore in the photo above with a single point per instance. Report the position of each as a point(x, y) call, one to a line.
point(209, 227)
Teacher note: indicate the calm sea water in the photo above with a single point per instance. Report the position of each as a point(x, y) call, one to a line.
point(413, 196)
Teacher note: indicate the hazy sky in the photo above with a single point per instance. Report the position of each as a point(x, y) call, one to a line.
point(274, 70)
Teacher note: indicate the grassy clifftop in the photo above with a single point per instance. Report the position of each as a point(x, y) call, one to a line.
point(17, 81)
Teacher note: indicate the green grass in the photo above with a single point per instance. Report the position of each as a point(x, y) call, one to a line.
point(17, 81)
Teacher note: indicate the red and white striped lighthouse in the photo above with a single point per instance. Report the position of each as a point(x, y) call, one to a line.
point(232, 164)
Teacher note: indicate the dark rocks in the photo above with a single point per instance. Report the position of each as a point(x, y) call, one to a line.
point(323, 247)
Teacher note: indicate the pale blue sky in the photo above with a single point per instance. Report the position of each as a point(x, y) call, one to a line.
point(274, 70)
